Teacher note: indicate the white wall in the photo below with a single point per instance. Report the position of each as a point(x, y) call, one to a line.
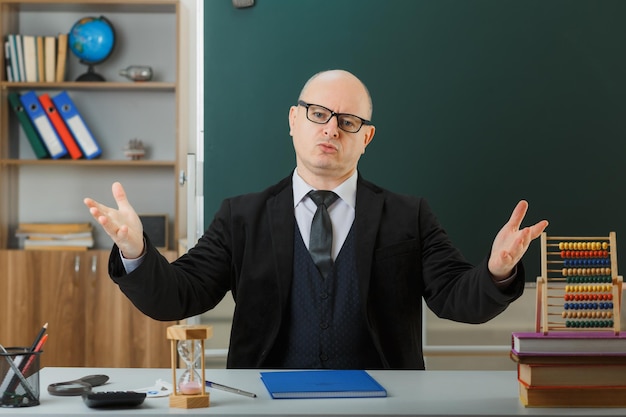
point(188, 55)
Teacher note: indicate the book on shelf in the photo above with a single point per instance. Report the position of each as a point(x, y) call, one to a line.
point(19, 50)
point(7, 61)
point(41, 76)
point(572, 396)
point(59, 248)
point(322, 384)
point(55, 236)
point(27, 126)
point(61, 59)
point(29, 45)
point(50, 58)
point(85, 243)
point(572, 375)
point(15, 56)
point(54, 228)
point(569, 342)
point(59, 125)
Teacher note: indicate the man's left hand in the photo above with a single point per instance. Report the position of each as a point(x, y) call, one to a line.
point(511, 242)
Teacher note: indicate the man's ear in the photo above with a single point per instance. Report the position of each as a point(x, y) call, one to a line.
point(369, 135)
point(292, 118)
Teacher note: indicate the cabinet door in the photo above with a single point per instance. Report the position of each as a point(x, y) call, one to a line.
point(61, 303)
point(62, 306)
point(117, 333)
point(18, 292)
point(40, 287)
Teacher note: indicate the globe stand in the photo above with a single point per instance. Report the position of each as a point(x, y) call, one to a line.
point(90, 75)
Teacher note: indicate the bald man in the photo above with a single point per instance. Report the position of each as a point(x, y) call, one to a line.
point(362, 309)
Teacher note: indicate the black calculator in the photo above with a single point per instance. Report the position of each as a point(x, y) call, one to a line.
point(118, 399)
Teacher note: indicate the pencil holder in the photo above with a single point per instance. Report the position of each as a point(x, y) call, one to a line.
point(19, 377)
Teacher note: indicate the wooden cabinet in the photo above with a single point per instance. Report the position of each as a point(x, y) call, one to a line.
point(90, 322)
point(118, 334)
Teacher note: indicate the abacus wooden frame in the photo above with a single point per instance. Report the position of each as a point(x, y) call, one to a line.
point(551, 281)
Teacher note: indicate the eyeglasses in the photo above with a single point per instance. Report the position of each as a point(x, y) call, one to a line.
point(322, 115)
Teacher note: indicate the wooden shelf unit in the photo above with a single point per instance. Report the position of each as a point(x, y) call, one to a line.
point(117, 110)
point(91, 321)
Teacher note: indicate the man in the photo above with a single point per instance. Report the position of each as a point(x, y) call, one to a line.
point(359, 309)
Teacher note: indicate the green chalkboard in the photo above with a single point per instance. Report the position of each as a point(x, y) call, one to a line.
point(477, 104)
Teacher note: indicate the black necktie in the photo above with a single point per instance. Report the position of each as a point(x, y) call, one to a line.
point(321, 241)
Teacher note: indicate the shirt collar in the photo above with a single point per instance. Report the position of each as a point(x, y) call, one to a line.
point(346, 190)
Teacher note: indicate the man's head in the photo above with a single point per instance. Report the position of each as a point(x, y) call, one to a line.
point(328, 152)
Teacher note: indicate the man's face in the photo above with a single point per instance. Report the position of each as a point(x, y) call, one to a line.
point(325, 150)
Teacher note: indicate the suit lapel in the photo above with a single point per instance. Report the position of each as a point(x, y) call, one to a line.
point(369, 208)
point(282, 226)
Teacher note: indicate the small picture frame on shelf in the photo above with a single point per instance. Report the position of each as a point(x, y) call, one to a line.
point(155, 226)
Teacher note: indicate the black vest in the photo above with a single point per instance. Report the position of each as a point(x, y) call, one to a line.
point(325, 327)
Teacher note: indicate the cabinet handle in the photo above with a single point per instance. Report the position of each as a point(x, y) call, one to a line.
point(77, 264)
point(94, 264)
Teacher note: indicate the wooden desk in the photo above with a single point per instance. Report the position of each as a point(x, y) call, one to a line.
point(411, 393)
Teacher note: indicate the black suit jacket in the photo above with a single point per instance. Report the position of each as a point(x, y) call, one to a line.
point(403, 255)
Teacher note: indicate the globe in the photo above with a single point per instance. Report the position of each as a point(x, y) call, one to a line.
point(92, 40)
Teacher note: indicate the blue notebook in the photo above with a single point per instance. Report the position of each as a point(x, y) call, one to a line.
point(322, 384)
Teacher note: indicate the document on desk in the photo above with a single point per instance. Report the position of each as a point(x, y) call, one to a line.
point(322, 384)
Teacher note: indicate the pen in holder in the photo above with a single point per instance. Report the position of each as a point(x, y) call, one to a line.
point(189, 390)
point(19, 377)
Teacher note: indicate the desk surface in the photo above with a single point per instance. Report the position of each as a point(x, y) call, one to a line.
point(410, 393)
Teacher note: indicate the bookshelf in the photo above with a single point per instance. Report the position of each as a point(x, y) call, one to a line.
point(116, 111)
point(45, 190)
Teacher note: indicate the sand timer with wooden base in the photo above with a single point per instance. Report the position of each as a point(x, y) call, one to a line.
point(189, 390)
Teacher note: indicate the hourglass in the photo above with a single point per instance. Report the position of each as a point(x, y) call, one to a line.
point(189, 389)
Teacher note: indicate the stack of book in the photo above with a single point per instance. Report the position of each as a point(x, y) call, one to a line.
point(571, 369)
point(55, 236)
point(30, 58)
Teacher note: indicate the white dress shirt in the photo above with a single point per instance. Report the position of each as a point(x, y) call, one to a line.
point(341, 212)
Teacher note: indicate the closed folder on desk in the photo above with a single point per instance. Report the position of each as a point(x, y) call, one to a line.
point(38, 116)
point(27, 126)
point(74, 121)
point(59, 125)
point(322, 384)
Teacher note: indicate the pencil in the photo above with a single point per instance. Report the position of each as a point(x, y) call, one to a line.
point(229, 389)
point(33, 348)
point(31, 359)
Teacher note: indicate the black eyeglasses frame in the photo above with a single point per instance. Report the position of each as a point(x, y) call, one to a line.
point(332, 113)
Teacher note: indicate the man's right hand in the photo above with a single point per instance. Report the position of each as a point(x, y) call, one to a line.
point(122, 224)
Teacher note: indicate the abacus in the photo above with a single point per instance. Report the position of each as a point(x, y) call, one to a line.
point(579, 288)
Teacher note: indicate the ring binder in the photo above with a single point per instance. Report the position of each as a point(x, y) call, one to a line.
point(74, 121)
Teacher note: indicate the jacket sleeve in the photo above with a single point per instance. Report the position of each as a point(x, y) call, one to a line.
point(454, 289)
point(194, 283)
